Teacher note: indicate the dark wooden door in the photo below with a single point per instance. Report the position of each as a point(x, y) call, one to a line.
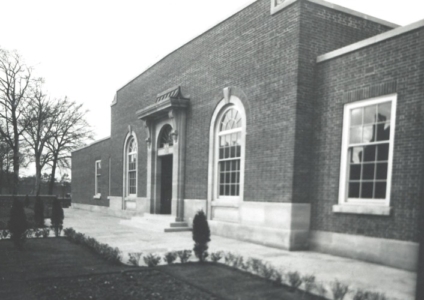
point(166, 185)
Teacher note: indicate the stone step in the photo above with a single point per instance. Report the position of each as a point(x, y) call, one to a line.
point(179, 224)
point(177, 229)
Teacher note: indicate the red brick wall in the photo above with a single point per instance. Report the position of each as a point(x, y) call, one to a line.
point(394, 65)
point(321, 30)
point(260, 54)
point(83, 173)
point(255, 52)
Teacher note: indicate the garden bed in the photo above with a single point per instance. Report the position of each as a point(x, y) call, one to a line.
point(54, 268)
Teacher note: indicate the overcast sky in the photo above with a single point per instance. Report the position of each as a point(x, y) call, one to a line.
point(86, 50)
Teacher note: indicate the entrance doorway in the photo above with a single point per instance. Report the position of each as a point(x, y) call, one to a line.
point(166, 185)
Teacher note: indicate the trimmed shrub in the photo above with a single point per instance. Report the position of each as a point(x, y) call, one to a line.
point(216, 256)
point(112, 255)
point(339, 290)
point(4, 234)
point(45, 232)
point(17, 223)
point(322, 291)
point(134, 258)
point(184, 255)
point(152, 260)
point(278, 277)
point(267, 271)
point(294, 280)
point(57, 217)
point(309, 281)
point(255, 265)
point(39, 213)
point(170, 257)
point(201, 235)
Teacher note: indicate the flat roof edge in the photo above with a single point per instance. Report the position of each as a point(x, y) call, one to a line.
point(370, 41)
point(195, 36)
point(354, 13)
point(91, 144)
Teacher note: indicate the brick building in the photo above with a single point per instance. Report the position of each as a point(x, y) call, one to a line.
point(298, 127)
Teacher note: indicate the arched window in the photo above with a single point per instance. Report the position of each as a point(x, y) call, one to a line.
point(228, 141)
point(229, 144)
point(132, 167)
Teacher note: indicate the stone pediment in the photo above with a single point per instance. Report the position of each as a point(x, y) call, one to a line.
point(165, 102)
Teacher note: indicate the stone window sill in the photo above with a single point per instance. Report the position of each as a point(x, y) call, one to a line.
point(97, 196)
point(377, 210)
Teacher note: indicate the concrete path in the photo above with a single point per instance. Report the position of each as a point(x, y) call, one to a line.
point(147, 237)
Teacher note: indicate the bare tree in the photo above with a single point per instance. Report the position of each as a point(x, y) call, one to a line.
point(15, 82)
point(41, 114)
point(5, 164)
point(71, 131)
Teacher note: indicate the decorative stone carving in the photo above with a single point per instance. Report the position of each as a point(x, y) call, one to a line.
point(227, 94)
point(147, 129)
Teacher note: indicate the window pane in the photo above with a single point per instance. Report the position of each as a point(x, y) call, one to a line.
point(356, 155)
point(355, 172)
point(222, 141)
point(227, 190)
point(356, 117)
point(368, 171)
point(383, 152)
point(233, 177)
point(227, 152)
point(369, 153)
point(367, 189)
point(353, 190)
point(368, 134)
point(222, 178)
point(382, 171)
point(221, 190)
point(370, 114)
point(384, 111)
point(383, 132)
point(233, 190)
point(237, 190)
point(355, 135)
point(221, 153)
point(380, 190)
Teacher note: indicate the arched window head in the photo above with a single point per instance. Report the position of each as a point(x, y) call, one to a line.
point(131, 167)
point(231, 120)
point(166, 136)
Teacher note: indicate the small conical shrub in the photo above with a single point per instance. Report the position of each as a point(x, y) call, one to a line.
point(39, 212)
point(201, 235)
point(57, 217)
point(17, 223)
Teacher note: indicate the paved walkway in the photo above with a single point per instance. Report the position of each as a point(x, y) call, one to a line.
point(116, 232)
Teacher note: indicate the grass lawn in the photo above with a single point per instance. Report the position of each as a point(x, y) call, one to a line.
point(54, 268)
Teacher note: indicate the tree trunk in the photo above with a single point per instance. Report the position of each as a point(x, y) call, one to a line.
point(51, 184)
point(1, 176)
point(37, 175)
point(16, 169)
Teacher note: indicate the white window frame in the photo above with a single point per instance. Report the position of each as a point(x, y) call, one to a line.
point(233, 103)
point(96, 176)
point(363, 204)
